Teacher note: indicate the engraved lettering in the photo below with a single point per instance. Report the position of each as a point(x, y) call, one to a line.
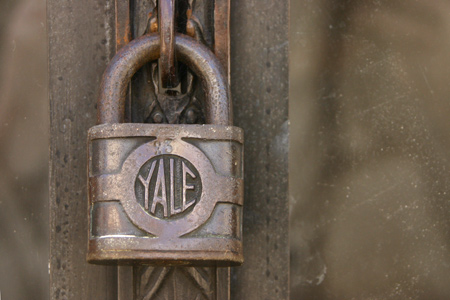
point(186, 187)
point(146, 182)
point(168, 185)
point(172, 192)
point(160, 186)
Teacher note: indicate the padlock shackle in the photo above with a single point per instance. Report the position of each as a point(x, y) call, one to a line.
point(130, 58)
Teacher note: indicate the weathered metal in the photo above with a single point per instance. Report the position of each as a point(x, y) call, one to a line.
point(222, 33)
point(145, 49)
point(152, 106)
point(259, 59)
point(123, 24)
point(165, 194)
point(167, 64)
point(173, 107)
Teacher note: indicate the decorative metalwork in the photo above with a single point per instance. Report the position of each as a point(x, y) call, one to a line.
point(185, 106)
point(166, 283)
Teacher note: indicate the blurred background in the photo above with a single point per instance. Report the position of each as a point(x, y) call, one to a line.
point(369, 157)
point(23, 150)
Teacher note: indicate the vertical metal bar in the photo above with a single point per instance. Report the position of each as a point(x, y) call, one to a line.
point(167, 66)
point(123, 23)
point(222, 51)
point(223, 283)
point(222, 33)
point(260, 73)
point(124, 282)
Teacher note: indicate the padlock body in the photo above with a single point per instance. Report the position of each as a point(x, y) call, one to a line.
point(165, 194)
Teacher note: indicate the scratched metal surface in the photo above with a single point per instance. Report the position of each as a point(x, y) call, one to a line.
point(369, 159)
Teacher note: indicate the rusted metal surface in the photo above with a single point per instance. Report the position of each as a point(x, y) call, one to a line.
point(174, 107)
point(201, 60)
point(72, 104)
point(123, 24)
point(128, 164)
point(150, 102)
point(149, 105)
point(167, 64)
point(196, 220)
point(123, 34)
point(222, 33)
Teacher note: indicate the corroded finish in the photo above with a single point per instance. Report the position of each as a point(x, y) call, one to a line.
point(167, 62)
point(165, 194)
point(125, 229)
point(130, 58)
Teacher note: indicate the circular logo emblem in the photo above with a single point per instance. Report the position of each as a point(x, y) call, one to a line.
point(168, 186)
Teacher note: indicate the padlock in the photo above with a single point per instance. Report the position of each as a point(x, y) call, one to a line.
point(164, 194)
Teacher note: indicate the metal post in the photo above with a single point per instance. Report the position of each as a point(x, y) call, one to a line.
point(83, 36)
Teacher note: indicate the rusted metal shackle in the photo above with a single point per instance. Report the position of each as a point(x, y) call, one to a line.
point(167, 65)
point(130, 58)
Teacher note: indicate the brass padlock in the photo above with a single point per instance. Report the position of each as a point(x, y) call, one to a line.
point(165, 194)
